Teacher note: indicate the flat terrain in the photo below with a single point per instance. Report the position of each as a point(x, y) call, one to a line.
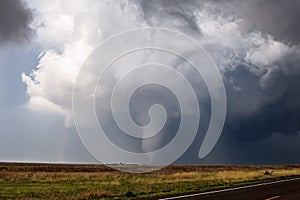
point(61, 181)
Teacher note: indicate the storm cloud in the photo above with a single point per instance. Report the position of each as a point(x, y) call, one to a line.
point(255, 44)
point(262, 80)
point(267, 102)
point(175, 14)
point(15, 20)
point(275, 17)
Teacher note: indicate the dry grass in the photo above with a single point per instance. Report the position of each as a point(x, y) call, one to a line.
point(99, 182)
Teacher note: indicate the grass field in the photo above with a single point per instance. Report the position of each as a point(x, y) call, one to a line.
point(60, 181)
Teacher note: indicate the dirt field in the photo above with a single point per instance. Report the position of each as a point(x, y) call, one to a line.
point(61, 181)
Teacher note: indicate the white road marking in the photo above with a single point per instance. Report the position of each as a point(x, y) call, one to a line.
point(228, 189)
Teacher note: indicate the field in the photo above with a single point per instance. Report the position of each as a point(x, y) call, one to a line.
point(61, 181)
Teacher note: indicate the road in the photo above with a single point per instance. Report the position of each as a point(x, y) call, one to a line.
point(278, 190)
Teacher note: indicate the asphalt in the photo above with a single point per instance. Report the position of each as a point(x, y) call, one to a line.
point(279, 190)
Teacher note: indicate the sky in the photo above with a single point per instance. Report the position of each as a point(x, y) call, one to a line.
point(255, 45)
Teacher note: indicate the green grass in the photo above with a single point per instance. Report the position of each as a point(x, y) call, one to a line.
point(116, 185)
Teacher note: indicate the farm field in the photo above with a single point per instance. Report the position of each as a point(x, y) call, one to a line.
point(64, 181)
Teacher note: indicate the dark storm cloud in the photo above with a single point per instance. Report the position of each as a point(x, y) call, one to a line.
point(170, 13)
point(255, 112)
point(275, 17)
point(15, 21)
point(260, 105)
point(263, 117)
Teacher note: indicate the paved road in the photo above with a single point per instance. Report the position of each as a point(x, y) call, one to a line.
point(279, 190)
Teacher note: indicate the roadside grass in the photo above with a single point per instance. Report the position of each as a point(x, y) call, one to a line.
point(39, 184)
